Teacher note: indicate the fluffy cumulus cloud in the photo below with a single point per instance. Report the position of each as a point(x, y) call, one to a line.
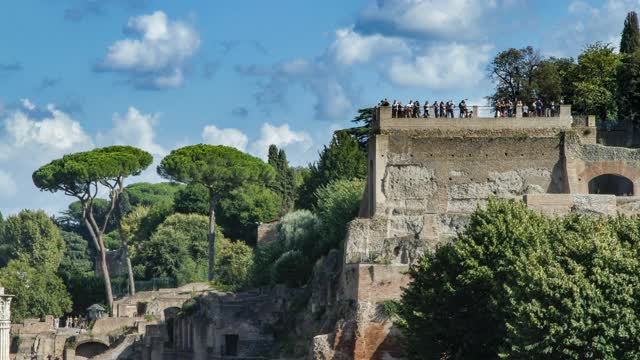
point(157, 58)
point(133, 128)
point(406, 42)
point(281, 136)
point(441, 67)
point(296, 143)
point(31, 136)
point(588, 23)
point(351, 47)
point(213, 135)
point(426, 18)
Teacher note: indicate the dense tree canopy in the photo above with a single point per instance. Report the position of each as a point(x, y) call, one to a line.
point(82, 174)
point(520, 285)
point(342, 159)
point(221, 169)
point(152, 194)
point(244, 208)
point(39, 291)
point(630, 41)
point(285, 181)
point(32, 237)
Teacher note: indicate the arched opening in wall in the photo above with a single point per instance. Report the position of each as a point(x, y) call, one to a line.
point(90, 349)
point(611, 184)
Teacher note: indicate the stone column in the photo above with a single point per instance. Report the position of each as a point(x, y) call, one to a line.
point(5, 324)
point(518, 111)
point(475, 111)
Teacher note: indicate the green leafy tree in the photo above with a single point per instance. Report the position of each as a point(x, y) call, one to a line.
point(81, 175)
point(630, 41)
point(338, 203)
point(361, 132)
point(32, 237)
point(77, 257)
point(292, 269)
point(285, 182)
point(628, 98)
point(151, 195)
point(38, 291)
point(514, 71)
point(519, 285)
point(548, 82)
point(596, 84)
point(244, 208)
point(192, 199)
point(342, 159)
point(177, 249)
point(234, 260)
point(71, 219)
point(221, 169)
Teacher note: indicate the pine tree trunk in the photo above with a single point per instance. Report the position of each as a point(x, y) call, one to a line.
point(105, 274)
point(125, 249)
point(211, 236)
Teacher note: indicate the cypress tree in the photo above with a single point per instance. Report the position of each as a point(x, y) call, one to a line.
point(630, 34)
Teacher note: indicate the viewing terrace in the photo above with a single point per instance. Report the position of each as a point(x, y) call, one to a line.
point(383, 120)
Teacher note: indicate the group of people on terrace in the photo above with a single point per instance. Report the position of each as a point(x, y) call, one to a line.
point(441, 109)
point(506, 108)
point(413, 109)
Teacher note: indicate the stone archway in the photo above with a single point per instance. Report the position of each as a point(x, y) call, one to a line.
point(90, 349)
point(606, 175)
point(611, 184)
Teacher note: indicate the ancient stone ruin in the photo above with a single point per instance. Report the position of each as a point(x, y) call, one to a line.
point(425, 178)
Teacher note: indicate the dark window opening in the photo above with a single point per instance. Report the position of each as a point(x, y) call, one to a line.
point(611, 184)
point(231, 345)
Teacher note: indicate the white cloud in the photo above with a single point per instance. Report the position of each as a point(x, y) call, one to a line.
point(227, 137)
point(54, 134)
point(29, 140)
point(157, 59)
point(282, 136)
point(133, 128)
point(433, 18)
point(441, 67)
point(296, 143)
point(27, 104)
point(351, 48)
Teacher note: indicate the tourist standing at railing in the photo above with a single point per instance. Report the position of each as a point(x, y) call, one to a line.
point(463, 109)
point(539, 107)
point(416, 109)
point(442, 110)
point(426, 109)
point(553, 108)
point(436, 109)
point(394, 109)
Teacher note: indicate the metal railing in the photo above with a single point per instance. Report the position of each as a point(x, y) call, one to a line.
point(120, 285)
point(474, 111)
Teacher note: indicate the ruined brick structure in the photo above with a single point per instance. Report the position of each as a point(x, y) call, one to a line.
point(426, 176)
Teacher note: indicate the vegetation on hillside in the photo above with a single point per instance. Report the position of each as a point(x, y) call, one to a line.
point(519, 285)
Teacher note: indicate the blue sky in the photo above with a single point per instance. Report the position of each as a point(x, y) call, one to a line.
point(76, 74)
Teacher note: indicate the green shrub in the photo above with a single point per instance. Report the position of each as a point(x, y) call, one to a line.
point(338, 203)
point(292, 269)
point(519, 285)
point(300, 230)
point(234, 260)
point(265, 256)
